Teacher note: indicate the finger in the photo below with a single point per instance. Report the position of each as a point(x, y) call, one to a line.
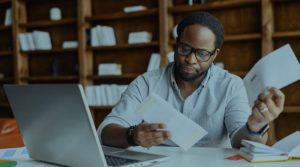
point(157, 134)
point(256, 114)
point(264, 111)
point(152, 127)
point(264, 95)
point(273, 109)
point(279, 97)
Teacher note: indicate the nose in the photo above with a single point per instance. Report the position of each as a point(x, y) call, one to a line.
point(191, 58)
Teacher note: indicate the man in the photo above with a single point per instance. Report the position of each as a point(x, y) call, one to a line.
point(208, 95)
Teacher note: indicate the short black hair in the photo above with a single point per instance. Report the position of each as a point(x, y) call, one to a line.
point(207, 20)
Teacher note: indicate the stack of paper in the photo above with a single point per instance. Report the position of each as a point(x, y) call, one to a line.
point(8, 17)
point(37, 40)
point(134, 8)
point(185, 132)
point(287, 148)
point(104, 95)
point(154, 62)
point(139, 37)
point(271, 71)
point(109, 69)
point(103, 36)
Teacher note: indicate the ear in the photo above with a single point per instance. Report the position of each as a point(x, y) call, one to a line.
point(215, 54)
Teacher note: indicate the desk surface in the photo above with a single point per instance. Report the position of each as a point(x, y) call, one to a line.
point(198, 156)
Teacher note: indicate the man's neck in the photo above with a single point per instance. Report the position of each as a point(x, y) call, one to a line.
point(188, 87)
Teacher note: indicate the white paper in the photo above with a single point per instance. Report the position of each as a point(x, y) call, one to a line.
point(278, 69)
point(185, 133)
point(154, 62)
point(289, 143)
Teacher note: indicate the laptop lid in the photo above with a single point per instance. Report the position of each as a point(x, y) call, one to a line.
point(56, 124)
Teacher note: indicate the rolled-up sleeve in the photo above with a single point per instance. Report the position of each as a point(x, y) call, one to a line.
point(123, 112)
point(237, 110)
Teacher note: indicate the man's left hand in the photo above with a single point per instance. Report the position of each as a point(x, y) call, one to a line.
point(267, 107)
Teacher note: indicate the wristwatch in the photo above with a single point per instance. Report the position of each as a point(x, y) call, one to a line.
point(260, 133)
point(130, 135)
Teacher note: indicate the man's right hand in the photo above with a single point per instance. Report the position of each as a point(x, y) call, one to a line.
point(147, 135)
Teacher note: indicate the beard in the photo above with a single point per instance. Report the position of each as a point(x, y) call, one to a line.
point(192, 76)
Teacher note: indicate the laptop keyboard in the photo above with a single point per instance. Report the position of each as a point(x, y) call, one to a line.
point(117, 161)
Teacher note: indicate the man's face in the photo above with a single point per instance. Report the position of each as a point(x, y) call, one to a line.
point(195, 51)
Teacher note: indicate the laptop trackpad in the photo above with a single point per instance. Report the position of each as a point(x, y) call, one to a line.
point(136, 155)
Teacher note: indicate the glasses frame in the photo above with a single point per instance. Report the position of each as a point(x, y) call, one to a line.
point(194, 50)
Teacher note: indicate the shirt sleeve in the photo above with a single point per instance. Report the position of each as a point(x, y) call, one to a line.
point(123, 112)
point(237, 110)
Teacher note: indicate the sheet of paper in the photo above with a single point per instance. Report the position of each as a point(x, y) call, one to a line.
point(278, 69)
point(289, 143)
point(185, 132)
point(14, 153)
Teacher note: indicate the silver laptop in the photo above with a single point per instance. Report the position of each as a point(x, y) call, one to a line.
point(57, 128)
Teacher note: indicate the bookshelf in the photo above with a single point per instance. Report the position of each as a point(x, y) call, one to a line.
point(285, 29)
point(252, 29)
point(6, 56)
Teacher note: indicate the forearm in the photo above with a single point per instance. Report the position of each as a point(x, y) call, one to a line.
point(114, 135)
point(243, 133)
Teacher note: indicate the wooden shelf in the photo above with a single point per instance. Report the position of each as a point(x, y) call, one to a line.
point(51, 78)
point(6, 53)
point(4, 105)
point(56, 50)
point(5, 28)
point(111, 77)
point(122, 15)
point(242, 37)
point(286, 34)
point(48, 23)
point(5, 2)
point(291, 109)
point(6, 80)
point(237, 37)
point(101, 108)
point(125, 46)
point(213, 5)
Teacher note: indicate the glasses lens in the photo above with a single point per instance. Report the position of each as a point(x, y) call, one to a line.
point(203, 54)
point(184, 49)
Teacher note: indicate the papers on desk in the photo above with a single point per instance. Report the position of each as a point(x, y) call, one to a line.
point(185, 133)
point(14, 153)
point(278, 69)
point(288, 147)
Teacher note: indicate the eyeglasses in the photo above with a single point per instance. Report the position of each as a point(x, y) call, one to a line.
point(201, 54)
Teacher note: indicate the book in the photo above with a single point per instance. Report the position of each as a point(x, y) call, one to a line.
point(70, 44)
point(8, 17)
point(139, 37)
point(137, 8)
point(109, 69)
point(285, 149)
point(23, 42)
point(42, 40)
point(106, 35)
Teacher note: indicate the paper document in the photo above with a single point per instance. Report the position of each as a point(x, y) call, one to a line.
point(278, 69)
point(185, 132)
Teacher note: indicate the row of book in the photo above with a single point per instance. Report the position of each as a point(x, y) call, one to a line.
point(102, 36)
point(104, 95)
point(36, 40)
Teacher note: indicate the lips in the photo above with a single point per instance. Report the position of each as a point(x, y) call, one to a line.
point(188, 69)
